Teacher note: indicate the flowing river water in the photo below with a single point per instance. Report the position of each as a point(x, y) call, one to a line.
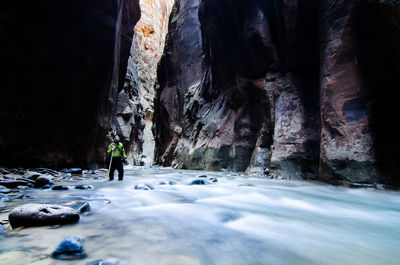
point(238, 220)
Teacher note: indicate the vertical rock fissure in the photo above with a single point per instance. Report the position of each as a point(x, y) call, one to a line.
point(135, 102)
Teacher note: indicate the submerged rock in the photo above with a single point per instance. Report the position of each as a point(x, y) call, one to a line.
point(84, 187)
point(212, 179)
point(198, 182)
point(30, 215)
point(70, 248)
point(81, 207)
point(167, 182)
point(144, 187)
point(60, 187)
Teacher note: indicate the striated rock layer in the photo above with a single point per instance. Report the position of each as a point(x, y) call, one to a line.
point(62, 66)
point(287, 87)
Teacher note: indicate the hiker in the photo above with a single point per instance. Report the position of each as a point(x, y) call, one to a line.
point(117, 151)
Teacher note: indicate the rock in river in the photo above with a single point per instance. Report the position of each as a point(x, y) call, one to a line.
point(74, 171)
point(144, 187)
point(42, 181)
point(29, 215)
point(198, 182)
point(69, 249)
point(12, 184)
point(83, 187)
point(60, 187)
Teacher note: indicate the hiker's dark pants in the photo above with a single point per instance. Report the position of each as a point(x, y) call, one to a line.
point(116, 164)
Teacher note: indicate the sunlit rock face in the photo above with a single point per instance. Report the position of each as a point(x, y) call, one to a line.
point(62, 66)
point(134, 118)
point(292, 88)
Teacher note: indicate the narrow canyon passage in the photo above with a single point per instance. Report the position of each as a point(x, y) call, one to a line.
point(256, 132)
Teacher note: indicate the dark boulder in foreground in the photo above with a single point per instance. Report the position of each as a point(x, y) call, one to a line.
point(69, 249)
point(30, 215)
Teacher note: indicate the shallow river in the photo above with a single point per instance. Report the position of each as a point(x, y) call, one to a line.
point(238, 220)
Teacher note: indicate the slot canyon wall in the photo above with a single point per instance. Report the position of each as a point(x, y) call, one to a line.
point(135, 106)
point(63, 64)
point(282, 88)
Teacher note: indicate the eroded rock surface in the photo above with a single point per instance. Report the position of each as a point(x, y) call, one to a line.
point(290, 88)
point(30, 215)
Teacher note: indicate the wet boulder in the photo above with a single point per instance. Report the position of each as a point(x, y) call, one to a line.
point(30, 215)
point(74, 171)
point(198, 182)
point(12, 184)
point(84, 187)
point(80, 207)
point(32, 175)
point(70, 248)
point(4, 190)
point(144, 187)
point(212, 179)
point(44, 181)
point(60, 187)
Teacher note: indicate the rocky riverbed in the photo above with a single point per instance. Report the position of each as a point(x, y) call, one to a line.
point(163, 216)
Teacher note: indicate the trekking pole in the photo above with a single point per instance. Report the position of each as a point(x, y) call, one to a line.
point(109, 168)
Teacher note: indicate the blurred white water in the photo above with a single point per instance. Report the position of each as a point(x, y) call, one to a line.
point(237, 220)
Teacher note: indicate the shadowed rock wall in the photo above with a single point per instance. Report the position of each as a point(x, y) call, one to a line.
point(62, 66)
point(290, 88)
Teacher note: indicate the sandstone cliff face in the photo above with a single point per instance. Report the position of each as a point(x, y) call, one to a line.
point(293, 88)
point(63, 64)
point(179, 71)
point(359, 67)
point(134, 118)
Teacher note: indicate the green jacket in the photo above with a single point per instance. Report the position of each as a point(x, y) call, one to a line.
point(117, 151)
